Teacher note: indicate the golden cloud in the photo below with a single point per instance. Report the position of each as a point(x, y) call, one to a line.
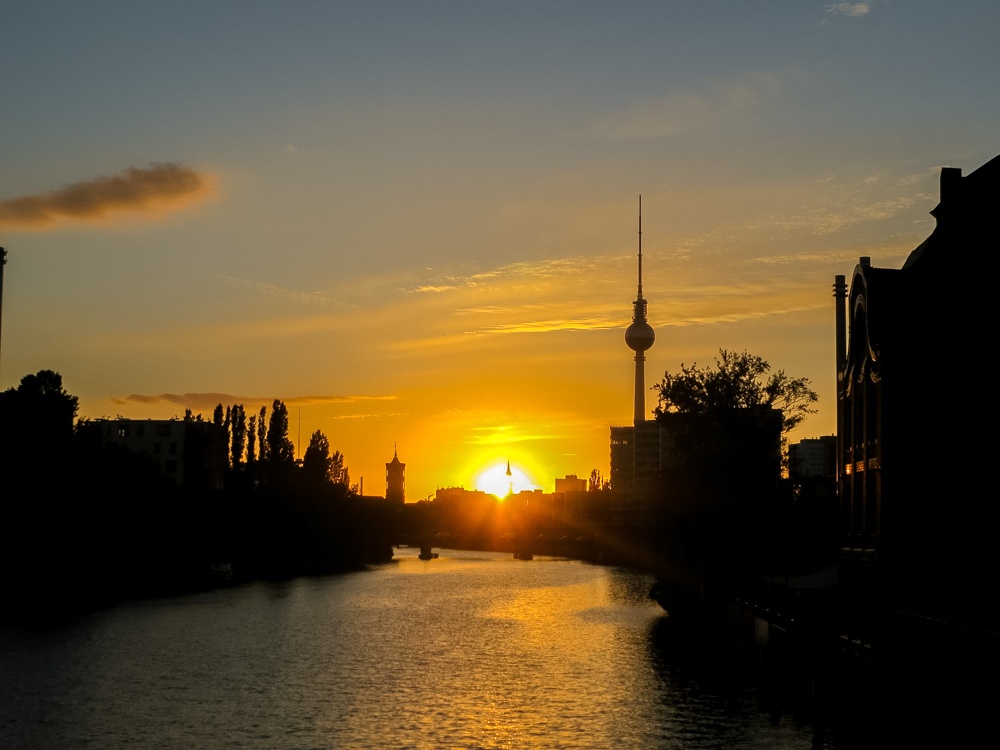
point(156, 189)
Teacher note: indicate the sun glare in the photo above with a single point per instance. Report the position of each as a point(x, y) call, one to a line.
point(496, 481)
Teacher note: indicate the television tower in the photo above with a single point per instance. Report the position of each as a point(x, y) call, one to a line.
point(639, 337)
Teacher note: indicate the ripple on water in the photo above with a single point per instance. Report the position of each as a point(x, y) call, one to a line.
point(473, 650)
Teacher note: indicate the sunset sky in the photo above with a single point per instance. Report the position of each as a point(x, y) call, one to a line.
point(415, 222)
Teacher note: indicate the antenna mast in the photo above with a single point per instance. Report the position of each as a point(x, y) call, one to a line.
point(640, 247)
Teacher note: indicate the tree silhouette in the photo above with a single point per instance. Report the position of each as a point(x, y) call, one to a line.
point(339, 473)
point(238, 418)
point(280, 449)
point(252, 439)
point(596, 482)
point(42, 521)
point(37, 418)
point(262, 433)
point(725, 428)
point(316, 462)
point(44, 393)
point(738, 382)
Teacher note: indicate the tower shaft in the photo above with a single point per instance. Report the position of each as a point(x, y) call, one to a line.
point(639, 411)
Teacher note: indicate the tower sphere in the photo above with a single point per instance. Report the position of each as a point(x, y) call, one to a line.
point(639, 336)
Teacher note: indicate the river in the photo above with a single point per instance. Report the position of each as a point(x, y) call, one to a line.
point(471, 650)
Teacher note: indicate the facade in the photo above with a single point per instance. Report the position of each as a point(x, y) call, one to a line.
point(916, 531)
point(395, 484)
point(448, 495)
point(571, 483)
point(189, 453)
point(637, 456)
point(813, 457)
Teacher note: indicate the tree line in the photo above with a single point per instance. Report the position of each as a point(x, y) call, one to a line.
point(261, 439)
point(85, 519)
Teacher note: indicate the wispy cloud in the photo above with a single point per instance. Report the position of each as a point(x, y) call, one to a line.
point(546, 326)
point(263, 289)
point(435, 288)
point(159, 188)
point(533, 271)
point(372, 415)
point(849, 9)
point(504, 435)
point(208, 400)
point(687, 110)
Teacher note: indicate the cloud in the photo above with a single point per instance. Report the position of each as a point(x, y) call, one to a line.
point(209, 400)
point(547, 326)
point(502, 435)
point(534, 273)
point(849, 9)
point(435, 288)
point(153, 190)
point(317, 298)
point(688, 110)
point(187, 400)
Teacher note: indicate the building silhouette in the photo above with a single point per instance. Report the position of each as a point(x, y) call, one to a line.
point(188, 453)
point(394, 480)
point(813, 457)
point(917, 559)
point(571, 483)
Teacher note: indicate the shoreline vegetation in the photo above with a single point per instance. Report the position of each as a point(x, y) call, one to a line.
point(85, 521)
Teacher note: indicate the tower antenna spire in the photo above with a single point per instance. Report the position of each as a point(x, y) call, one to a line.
point(639, 337)
point(640, 247)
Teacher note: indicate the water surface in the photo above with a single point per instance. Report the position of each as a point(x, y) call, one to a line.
point(472, 650)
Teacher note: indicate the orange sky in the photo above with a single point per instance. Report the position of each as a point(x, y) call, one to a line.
point(419, 229)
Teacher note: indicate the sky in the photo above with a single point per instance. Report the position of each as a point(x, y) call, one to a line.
point(416, 222)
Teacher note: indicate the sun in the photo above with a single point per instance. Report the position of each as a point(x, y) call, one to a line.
point(497, 481)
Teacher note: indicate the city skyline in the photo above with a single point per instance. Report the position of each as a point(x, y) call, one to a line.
point(416, 225)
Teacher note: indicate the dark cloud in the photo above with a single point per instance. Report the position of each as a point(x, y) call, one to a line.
point(197, 401)
point(187, 400)
point(159, 187)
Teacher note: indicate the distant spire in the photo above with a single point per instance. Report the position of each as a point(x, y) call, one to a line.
point(508, 469)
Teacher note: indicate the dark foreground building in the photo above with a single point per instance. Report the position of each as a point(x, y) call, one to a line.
point(918, 565)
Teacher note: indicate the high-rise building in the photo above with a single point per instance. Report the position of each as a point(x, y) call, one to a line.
point(813, 457)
